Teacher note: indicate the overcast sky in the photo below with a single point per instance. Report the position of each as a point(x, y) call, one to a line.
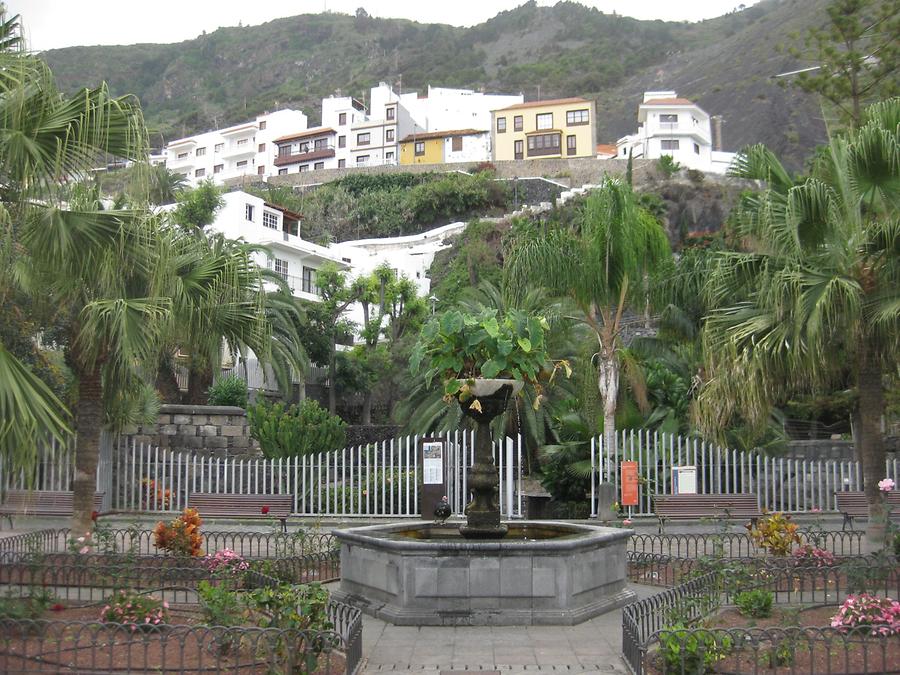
point(61, 23)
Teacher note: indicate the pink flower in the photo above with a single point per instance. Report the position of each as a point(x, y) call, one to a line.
point(886, 485)
point(815, 509)
point(627, 521)
point(165, 604)
point(84, 549)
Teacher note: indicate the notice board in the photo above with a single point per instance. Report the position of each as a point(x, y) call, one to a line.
point(629, 484)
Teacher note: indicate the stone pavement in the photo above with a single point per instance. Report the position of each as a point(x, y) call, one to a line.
point(591, 647)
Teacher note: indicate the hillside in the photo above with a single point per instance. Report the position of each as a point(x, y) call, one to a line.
point(222, 77)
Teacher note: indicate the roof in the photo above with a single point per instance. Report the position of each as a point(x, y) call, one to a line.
point(318, 131)
point(668, 101)
point(287, 212)
point(428, 135)
point(606, 149)
point(541, 104)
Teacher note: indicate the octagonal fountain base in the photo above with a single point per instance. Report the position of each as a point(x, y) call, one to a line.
point(423, 574)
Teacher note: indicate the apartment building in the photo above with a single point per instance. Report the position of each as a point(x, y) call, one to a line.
point(308, 150)
point(341, 113)
point(678, 127)
point(232, 152)
point(544, 130)
point(446, 147)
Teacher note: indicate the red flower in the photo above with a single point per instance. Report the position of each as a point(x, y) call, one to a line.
point(265, 510)
point(58, 607)
point(94, 515)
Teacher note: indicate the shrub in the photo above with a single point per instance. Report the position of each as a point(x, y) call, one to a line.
point(695, 176)
point(813, 555)
point(297, 430)
point(135, 611)
point(774, 533)
point(182, 535)
point(756, 603)
point(226, 562)
point(868, 613)
point(220, 605)
point(230, 390)
point(691, 650)
point(668, 166)
point(31, 606)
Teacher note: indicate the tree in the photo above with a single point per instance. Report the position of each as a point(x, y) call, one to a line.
point(602, 264)
point(855, 57)
point(336, 298)
point(816, 290)
point(197, 208)
point(165, 185)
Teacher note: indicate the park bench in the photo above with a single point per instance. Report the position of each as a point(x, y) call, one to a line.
point(42, 503)
point(230, 505)
point(853, 503)
point(696, 507)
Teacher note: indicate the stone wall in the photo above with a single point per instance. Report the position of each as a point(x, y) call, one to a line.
point(222, 431)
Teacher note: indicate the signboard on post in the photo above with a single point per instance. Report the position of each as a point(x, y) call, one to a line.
point(431, 459)
point(684, 480)
point(629, 484)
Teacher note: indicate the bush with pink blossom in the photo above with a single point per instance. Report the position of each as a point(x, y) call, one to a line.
point(869, 613)
point(226, 562)
point(813, 556)
point(135, 611)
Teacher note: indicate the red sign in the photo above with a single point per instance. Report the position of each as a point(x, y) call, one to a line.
point(629, 484)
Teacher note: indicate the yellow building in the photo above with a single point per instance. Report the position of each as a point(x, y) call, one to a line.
point(445, 147)
point(553, 129)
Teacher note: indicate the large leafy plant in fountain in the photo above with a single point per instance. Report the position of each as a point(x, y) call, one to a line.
point(459, 347)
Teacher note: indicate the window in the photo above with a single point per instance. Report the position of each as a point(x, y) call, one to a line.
point(320, 144)
point(456, 144)
point(420, 148)
point(261, 148)
point(219, 147)
point(308, 281)
point(388, 135)
point(182, 155)
point(284, 151)
point(270, 220)
point(575, 117)
point(242, 164)
point(342, 141)
point(543, 121)
point(389, 155)
point(517, 123)
point(362, 159)
point(342, 119)
point(696, 149)
point(318, 165)
point(218, 168)
point(199, 173)
point(304, 148)
point(342, 163)
point(261, 170)
point(390, 113)
point(668, 119)
point(669, 144)
point(199, 152)
point(501, 125)
point(570, 145)
point(517, 149)
point(282, 172)
point(242, 141)
point(262, 126)
point(281, 268)
point(248, 212)
point(543, 144)
point(363, 139)
point(304, 167)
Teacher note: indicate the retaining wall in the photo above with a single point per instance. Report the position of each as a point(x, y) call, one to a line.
point(222, 430)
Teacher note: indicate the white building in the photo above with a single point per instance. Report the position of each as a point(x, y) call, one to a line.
point(669, 125)
point(240, 150)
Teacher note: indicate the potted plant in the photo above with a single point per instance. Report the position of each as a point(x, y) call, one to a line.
point(483, 359)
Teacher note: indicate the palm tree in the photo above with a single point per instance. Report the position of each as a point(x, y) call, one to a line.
point(165, 185)
point(601, 263)
point(816, 290)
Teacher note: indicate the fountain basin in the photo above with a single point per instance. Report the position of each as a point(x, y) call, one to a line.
point(542, 573)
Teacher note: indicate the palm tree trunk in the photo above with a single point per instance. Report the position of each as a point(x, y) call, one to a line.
point(167, 383)
point(870, 444)
point(88, 423)
point(367, 407)
point(199, 382)
point(608, 383)
point(332, 385)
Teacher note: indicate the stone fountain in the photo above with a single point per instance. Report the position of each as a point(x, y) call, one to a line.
point(484, 572)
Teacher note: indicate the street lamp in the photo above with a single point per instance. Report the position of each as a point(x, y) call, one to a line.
point(434, 300)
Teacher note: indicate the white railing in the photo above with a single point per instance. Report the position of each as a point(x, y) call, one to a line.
point(376, 480)
point(780, 484)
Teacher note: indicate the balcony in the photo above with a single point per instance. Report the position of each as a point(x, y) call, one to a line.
point(301, 287)
point(235, 150)
point(299, 158)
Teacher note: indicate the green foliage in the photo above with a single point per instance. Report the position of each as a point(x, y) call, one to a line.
point(566, 465)
point(220, 604)
point(295, 431)
point(774, 533)
point(135, 610)
point(668, 166)
point(756, 603)
point(691, 650)
point(31, 607)
point(230, 390)
point(197, 208)
point(457, 347)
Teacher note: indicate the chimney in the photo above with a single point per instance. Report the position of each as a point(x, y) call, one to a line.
point(716, 132)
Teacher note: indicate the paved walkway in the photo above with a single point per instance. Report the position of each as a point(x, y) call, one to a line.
point(591, 647)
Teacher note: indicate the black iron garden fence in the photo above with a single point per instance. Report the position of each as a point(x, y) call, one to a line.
point(738, 544)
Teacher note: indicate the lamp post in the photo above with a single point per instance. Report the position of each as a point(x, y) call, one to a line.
point(433, 300)
point(516, 193)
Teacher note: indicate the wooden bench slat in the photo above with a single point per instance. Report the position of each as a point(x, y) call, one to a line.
point(853, 504)
point(244, 506)
point(684, 507)
point(43, 503)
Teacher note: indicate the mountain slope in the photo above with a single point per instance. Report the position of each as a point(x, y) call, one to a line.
point(222, 77)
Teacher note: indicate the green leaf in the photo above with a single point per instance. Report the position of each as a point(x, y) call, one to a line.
point(451, 322)
point(492, 368)
point(452, 386)
point(504, 347)
point(492, 327)
point(525, 344)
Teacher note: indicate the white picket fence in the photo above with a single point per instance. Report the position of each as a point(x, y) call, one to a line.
point(376, 480)
point(789, 485)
